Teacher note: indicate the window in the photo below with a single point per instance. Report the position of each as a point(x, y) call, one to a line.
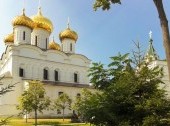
point(56, 75)
point(59, 93)
point(36, 40)
point(75, 77)
point(21, 72)
point(23, 35)
point(45, 74)
point(46, 42)
point(78, 95)
point(71, 47)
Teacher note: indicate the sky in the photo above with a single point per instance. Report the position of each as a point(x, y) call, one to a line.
point(101, 34)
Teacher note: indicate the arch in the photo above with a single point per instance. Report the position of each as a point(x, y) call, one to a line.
point(21, 70)
point(57, 75)
point(76, 77)
point(46, 73)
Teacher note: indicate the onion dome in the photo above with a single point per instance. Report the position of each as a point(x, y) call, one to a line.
point(151, 53)
point(23, 20)
point(42, 22)
point(68, 33)
point(9, 38)
point(55, 46)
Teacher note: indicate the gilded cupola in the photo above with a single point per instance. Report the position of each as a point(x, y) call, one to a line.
point(68, 33)
point(23, 20)
point(9, 38)
point(42, 22)
point(54, 46)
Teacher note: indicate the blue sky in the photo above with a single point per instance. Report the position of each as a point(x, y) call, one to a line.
point(102, 34)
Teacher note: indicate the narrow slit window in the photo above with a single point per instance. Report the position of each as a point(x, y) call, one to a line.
point(23, 35)
point(56, 75)
point(45, 74)
point(46, 42)
point(71, 47)
point(75, 77)
point(36, 39)
point(21, 72)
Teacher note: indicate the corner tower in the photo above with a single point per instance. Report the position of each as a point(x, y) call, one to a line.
point(68, 40)
point(23, 26)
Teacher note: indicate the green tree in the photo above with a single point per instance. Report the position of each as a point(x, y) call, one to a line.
point(3, 91)
point(105, 5)
point(62, 102)
point(128, 95)
point(34, 99)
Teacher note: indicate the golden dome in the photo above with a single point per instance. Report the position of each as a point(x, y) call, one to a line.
point(23, 20)
point(42, 22)
point(68, 33)
point(9, 38)
point(55, 46)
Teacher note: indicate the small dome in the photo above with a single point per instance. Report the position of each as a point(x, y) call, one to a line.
point(55, 46)
point(23, 20)
point(42, 22)
point(68, 33)
point(9, 38)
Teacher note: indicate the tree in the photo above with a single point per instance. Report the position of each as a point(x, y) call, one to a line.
point(105, 4)
point(34, 99)
point(127, 95)
point(3, 91)
point(62, 102)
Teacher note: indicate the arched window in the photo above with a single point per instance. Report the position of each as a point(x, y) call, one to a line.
point(60, 93)
point(71, 47)
point(45, 74)
point(78, 94)
point(23, 35)
point(36, 40)
point(21, 72)
point(56, 75)
point(75, 77)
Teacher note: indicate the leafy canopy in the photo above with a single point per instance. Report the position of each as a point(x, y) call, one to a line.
point(128, 95)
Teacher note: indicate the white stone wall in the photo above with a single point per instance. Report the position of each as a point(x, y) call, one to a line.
point(33, 61)
point(42, 35)
point(18, 35)
point(66, 43)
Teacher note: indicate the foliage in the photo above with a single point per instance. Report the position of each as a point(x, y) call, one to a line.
point(6, 89)
point(3, 91)
point(128, 95)
point(105, 4)
point(62, 102)
point(34, 99)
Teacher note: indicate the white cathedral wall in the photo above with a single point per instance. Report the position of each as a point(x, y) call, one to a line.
point(18, 35)
point(34, 61)
point(6, 66)
point(9, 101)
point(165, 78)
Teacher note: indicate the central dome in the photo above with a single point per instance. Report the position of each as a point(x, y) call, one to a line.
point(42, 22)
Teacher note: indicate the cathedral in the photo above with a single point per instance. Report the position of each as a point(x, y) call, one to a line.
point(30, 55)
